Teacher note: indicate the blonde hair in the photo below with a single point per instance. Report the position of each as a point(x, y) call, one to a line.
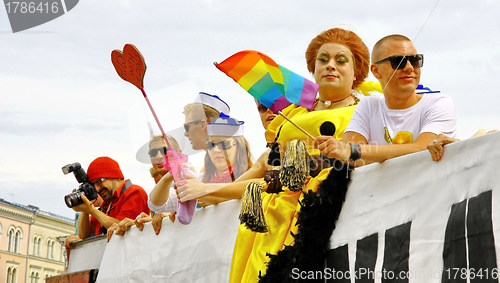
point(201, 111)
point(171, 139)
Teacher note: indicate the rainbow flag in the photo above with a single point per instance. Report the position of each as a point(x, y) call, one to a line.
point(271, 84)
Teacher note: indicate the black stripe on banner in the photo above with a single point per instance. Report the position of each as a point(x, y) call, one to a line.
point(396, 254)
point(454, 253)
point(338, 262)
point(482, 255)
point(366, 257)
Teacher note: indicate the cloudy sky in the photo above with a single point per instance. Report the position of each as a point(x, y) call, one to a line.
point(62, 101)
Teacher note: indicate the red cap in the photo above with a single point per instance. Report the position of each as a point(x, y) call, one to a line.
point(104, 167)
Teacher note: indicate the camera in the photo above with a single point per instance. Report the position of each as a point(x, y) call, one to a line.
point(86, 188)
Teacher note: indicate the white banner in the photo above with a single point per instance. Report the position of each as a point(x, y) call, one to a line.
point(198, 252)
point(407, 217)
point(414, 220)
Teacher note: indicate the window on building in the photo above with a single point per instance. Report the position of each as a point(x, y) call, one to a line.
point(39, 250)
point(17, 241)
point(10, 245)
point(53, 243)
point(50, 248)
point(35, 277)
point(48, 274)
point(8, 275)
point(37, 243)
point(61, 254)
point(11, 274)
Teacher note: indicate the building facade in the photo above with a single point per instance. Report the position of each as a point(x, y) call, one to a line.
point(31, 243)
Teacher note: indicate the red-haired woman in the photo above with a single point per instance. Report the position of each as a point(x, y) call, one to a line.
point(339, 61)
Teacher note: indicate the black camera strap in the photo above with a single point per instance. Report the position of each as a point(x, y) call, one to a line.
point(124, 188)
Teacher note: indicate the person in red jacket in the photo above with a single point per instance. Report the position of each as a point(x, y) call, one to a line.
point(121, 198)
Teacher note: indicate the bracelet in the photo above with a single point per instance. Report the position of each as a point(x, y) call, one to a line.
point(355, 152)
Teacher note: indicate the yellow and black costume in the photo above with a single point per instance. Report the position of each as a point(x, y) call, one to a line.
point(282, 210)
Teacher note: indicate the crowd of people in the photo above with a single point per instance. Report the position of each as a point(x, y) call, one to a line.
point(349, 130)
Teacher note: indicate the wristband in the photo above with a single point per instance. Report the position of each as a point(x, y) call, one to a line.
point(355, 152)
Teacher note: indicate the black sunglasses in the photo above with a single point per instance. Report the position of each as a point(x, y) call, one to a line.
point(154, 151)
point(222, 145)
point(187, 125)
point(399, 62)
point(262, 108)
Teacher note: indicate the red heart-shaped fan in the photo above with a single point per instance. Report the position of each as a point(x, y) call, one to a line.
point(129, 65)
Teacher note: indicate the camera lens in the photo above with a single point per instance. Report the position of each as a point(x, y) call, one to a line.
point(73, 199)
point(69, 201)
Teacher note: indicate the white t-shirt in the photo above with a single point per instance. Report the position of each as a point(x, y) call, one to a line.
point(172, 202)
point(433, 113)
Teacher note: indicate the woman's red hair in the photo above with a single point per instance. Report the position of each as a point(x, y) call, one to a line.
point(350, 40)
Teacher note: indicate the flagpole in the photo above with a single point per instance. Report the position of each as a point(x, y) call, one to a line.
point(298, 127)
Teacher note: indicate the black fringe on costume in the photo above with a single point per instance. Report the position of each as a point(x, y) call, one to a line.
point(317, 218)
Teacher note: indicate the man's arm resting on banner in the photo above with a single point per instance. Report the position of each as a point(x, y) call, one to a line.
point(332, 148)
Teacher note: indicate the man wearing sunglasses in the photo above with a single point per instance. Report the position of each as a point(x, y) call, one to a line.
point(400, 121)
point(121, 199)
point(203, 110)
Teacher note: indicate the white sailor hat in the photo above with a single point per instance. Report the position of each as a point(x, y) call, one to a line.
point(225, 126)
point(213, 101)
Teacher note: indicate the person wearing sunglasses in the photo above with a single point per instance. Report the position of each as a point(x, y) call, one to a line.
point(223, 191)
point(122, 199)
point(339, 62)
point(157, 150)
point(399, 122)
point(162, 202)
point(228, 157)
point(203, 110)
point(162, 199)
point(397, 65)
point(266, 115)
